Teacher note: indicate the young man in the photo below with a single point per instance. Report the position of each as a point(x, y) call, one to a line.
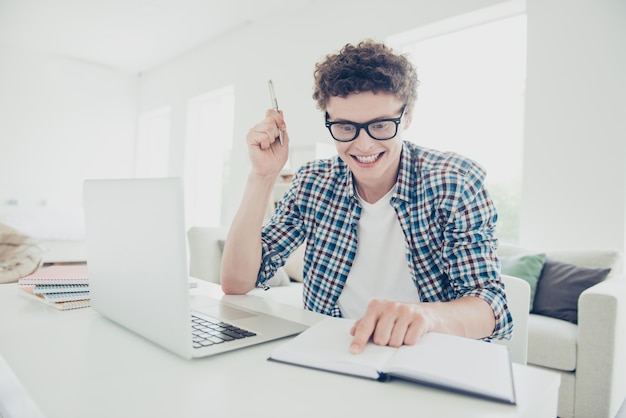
point(397, 236)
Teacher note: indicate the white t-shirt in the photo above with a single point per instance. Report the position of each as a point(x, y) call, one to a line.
point(380, 269)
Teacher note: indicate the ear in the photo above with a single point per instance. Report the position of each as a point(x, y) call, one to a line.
point(408, 117)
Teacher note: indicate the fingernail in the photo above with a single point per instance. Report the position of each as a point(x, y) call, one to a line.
point(355, 349)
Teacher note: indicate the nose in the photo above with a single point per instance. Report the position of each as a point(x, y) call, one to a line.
point(363, 141)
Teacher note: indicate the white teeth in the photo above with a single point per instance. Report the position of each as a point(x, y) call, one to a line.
point(367, 159)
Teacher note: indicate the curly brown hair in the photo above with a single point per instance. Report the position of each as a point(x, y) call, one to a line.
point(367, 66)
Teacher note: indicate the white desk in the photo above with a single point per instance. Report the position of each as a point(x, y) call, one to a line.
point(78, 364)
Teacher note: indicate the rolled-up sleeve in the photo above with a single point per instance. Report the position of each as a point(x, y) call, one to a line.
point(470, 249)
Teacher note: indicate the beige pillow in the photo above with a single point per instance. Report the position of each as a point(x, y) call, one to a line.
point(20, 255)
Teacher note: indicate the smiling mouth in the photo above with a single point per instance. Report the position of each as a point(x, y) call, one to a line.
point(367, 159)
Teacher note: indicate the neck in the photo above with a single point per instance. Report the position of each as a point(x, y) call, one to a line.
point(371, 188)
point(373, 193)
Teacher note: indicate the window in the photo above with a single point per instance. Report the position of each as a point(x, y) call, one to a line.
point(207, 154)
point(153, 144)
point(472, 72)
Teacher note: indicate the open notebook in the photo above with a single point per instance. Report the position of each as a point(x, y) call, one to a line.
point(137, 270)
point(458, 364)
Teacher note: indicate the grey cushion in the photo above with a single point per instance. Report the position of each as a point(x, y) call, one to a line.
point(559, 287)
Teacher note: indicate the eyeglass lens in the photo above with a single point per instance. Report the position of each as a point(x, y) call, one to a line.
point(348, 131)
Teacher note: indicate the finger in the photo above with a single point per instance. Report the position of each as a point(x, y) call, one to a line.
point(362, 334)
point(285, 138)
point(278, 120)
point(353, 329)
point(263, 134)
point(414, 332)
point(282, 125)
point(364, 328)
point(398, 332)
point(259, 139)
point(386, 323)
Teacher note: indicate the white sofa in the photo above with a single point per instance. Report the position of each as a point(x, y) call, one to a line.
point(590, 356)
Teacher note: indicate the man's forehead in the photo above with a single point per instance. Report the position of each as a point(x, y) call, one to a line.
point(363, 107)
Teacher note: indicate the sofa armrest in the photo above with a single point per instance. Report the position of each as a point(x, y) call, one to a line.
point(601, 364)
point(205, 254)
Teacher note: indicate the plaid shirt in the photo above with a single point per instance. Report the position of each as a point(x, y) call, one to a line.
point(446, 215)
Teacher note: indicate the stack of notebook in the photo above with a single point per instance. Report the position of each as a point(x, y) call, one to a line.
point(60, 286)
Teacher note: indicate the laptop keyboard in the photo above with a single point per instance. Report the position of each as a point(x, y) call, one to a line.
point(207, 332)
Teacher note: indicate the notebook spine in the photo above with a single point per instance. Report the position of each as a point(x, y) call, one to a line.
point(66, 306)
point(27, 291)
point(65, 297)
point(51, 281)
point(57, 275)
point(41, 289)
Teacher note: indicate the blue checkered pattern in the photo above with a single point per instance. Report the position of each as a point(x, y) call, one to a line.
point(446, 214)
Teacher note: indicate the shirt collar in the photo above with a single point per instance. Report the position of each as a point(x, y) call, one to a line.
point(404, 182)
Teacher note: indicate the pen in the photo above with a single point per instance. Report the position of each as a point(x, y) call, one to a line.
point(275, 107)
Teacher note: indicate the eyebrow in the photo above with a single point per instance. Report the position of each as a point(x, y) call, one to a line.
point(360, 123)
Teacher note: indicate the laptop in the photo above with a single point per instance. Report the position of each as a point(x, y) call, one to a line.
point(137, 268)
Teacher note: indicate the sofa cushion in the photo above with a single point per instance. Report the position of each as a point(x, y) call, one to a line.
point(524, 266)
point(552, 343)
point(294, 266)
point(559, 287)
point(590, 257)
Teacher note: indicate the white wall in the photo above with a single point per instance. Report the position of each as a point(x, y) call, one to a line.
point(575, 142)
point(61, 121)
point(285, 49)
point(574, 190)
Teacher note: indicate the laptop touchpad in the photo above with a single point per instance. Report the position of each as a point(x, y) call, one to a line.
point(225, 312)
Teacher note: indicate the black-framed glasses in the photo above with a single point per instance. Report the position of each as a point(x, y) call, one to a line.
point(380, 129)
